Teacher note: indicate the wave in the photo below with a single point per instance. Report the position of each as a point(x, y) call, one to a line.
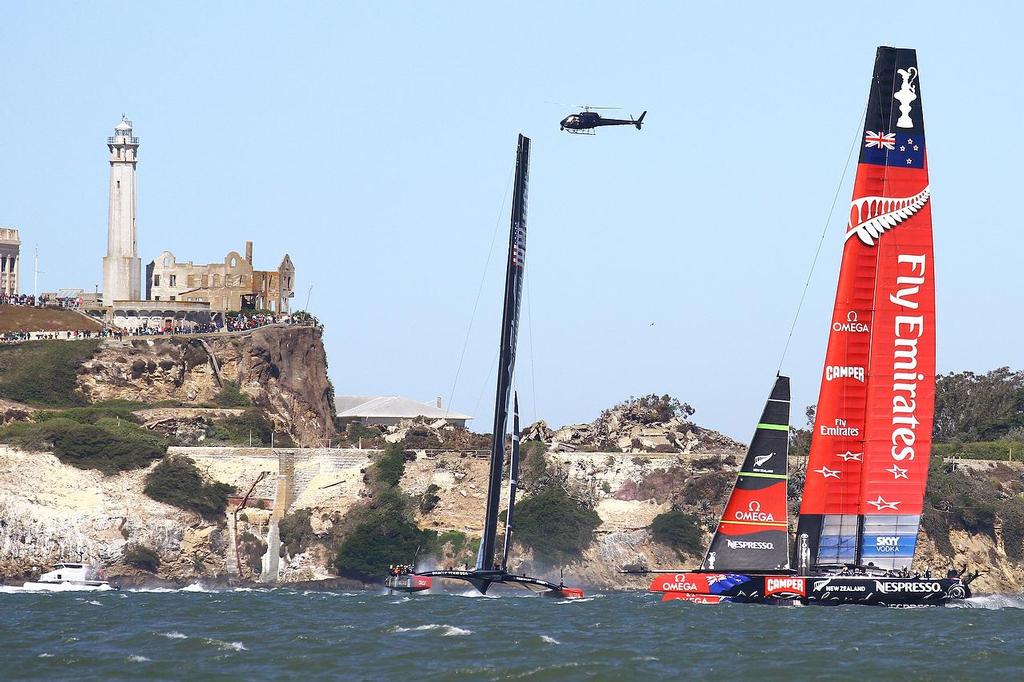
point(447, 630)
point(41, 588)
point(173, 634)
point(138, 659)
point(227, 646)
point(991, 601)
point(549, 640)
point(195, 587)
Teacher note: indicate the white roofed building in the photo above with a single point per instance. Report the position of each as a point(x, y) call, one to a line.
point(389, 410)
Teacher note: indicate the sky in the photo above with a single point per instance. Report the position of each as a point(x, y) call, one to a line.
point(374, 142)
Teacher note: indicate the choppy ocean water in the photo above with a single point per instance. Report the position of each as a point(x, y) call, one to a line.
point(281, 633)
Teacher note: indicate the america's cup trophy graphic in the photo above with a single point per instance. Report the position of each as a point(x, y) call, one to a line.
point(906, 94)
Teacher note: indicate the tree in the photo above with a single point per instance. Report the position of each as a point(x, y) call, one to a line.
point(973, 407)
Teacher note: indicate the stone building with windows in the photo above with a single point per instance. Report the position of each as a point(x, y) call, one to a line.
point(10, 260)
point(230, 285)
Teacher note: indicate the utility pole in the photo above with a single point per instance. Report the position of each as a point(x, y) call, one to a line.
point(308, 293)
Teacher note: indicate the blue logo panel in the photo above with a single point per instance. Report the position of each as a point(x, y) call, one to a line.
point(888, 546)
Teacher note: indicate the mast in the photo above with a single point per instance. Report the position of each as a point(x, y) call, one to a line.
point(513, 481)
point(514, 274)
point(868, 463)
point(754, 530)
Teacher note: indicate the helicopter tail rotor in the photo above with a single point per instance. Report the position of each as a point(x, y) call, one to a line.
point(640, 121)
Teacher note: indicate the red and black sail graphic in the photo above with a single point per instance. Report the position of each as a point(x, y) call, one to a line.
point(514, 274)
point(868, 462)
point(753, 532)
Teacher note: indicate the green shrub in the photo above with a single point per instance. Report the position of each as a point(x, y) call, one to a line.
point(429, 499)
point(231, 396)
point(707, 489)
point(141, 556)
point(357, 431)
point(389, 468)
point(108, 445)
point(43, 373)
point(986, 449)
point(251, 550)
point(1011, 513)
point(456, 540)
point(679, 530)
point(533, 465)
point(177, 481)
point(90, 414)
point(297, 531)
point(554, 525)
point(383, 534)
point(238, 429)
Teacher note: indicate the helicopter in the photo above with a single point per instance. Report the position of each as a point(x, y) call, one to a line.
point(587, 120)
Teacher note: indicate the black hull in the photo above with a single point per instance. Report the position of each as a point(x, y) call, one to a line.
point(483, 580)
point(823, 590)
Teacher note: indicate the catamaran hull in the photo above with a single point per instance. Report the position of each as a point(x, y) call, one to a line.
point(825, 590)
point(483, 580)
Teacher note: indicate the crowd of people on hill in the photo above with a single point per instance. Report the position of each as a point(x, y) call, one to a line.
point(70, 335)
point(242, 321)
point(232, 322)
point(42, 301)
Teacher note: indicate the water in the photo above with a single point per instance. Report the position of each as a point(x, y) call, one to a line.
point(244, 634)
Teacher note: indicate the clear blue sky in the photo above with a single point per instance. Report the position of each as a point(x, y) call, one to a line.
point(374, 143)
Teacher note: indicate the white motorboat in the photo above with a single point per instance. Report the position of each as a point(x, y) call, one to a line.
point(69, 576)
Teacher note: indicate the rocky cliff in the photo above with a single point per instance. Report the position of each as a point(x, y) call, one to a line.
point(282, 368)
point(49, 511)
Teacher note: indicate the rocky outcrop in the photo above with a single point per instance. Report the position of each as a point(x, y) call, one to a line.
point(633, 427)
point(11, 411)
point(282, 368)
point(50, 511)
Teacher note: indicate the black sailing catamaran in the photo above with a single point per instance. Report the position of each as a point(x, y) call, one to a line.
point(866, 472)
point(491, 569)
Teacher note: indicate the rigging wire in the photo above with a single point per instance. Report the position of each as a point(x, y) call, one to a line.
point(479, 292)
point(821, 240)
point(486, 382)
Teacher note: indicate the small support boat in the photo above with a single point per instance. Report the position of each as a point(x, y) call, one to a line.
point(403, 579)
point(69, 576)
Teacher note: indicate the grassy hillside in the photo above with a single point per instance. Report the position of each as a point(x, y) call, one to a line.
point(19, 318)
point(42, 373)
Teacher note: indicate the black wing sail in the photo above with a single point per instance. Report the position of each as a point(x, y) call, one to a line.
point(753, 534)
point(514, 273)
point(513, 482)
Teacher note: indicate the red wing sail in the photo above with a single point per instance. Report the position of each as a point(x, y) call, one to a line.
point(869, 450)
point(753, 532)
point(901, 393)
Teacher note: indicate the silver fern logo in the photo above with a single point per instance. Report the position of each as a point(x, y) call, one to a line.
point(871, 216)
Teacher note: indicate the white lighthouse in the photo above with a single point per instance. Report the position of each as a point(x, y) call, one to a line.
point(122, 268)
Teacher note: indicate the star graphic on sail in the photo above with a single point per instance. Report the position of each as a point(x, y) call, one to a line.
point(847, 456)
point(826, 472)
point(898, 473)
point(881, 504)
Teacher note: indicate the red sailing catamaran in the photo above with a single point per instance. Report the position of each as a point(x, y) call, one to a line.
point(868, 463)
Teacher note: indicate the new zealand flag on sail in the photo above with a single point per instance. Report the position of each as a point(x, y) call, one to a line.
point(894, 125)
